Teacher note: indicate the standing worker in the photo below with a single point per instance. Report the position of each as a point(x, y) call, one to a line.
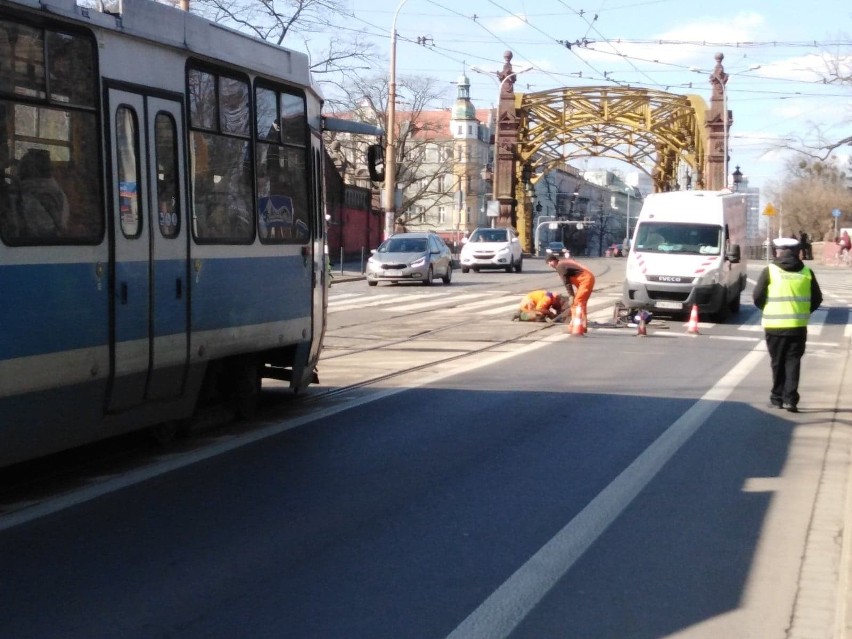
point(787, 292)
point(575, 275)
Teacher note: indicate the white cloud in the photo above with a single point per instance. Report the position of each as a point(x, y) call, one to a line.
point(507, 24)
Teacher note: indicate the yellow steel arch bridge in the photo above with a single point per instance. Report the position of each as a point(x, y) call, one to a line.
point(664, 134)
point(643, 127)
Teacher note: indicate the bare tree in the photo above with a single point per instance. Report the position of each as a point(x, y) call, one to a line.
point(300, 22)
point(811, 190)
point(837, 70)
point(424, 166)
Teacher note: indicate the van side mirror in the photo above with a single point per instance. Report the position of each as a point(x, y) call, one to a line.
point(376, 162)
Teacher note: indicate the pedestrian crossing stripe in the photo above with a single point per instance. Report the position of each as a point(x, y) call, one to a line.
point(495, 304)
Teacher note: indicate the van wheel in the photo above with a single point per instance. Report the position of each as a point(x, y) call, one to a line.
point(734, 306)
point(721, 316)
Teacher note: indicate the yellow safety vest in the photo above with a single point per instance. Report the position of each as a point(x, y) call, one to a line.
point(788, 298)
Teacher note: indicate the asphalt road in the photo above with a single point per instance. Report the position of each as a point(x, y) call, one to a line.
point(547, 486)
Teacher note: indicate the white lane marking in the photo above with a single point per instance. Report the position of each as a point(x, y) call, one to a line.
point(436, 301)
point(507, 309)
point(500, 614)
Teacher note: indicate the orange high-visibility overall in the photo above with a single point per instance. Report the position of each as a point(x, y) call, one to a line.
point(579, 277)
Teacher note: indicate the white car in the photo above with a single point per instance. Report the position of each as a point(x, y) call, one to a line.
point(492, 248)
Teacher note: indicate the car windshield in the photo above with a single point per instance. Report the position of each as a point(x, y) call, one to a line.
point(489, 235)
point(404, 245)
point(669, 237)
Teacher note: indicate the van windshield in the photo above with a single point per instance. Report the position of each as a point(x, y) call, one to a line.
point(671, 237)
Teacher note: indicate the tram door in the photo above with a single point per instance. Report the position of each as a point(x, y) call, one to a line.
point(150, 305)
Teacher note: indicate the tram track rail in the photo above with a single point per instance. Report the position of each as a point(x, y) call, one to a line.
point(48, 478)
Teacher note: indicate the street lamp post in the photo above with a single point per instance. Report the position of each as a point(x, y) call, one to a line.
point(390, 148)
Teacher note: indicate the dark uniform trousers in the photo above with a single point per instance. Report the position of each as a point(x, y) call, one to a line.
point(786, 353)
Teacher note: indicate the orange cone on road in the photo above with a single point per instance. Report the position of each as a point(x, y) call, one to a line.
point(577, 323)
point(692, 325)
point(642, 326)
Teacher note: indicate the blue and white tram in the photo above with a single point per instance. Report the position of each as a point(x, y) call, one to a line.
point(161, 220)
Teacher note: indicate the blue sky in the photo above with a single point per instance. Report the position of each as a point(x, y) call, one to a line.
point(775, 52)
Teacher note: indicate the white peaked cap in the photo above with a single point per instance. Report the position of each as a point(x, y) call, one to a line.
point(785, 242)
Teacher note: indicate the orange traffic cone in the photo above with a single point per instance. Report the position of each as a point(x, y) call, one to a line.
point(692, 325)
point(577, 324)
point(642, 326)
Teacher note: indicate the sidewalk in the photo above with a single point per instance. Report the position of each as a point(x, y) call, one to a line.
point(347, 272)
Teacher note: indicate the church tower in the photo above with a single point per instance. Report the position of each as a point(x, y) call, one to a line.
point(470, 155)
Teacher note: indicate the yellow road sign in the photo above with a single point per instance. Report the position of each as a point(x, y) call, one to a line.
point(769, 210)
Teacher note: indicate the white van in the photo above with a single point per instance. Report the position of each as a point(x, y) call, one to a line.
point(688, 249)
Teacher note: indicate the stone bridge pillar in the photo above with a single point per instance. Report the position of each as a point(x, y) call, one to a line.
point(718, 126)
point(506, 146)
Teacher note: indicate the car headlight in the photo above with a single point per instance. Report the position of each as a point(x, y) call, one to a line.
point(420, 261)
point(503, 250)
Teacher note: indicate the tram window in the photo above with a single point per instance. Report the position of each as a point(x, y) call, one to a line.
point(49, 153)
point(23, 47)
point(71, 67)
point(283, 204)
point(234, 106)
point(168, 204)
point(282, 191)
point(202, 99)
point(267, 115)
point(222, 196)
point(294, 125)
point(222, 193)
point(127, 152)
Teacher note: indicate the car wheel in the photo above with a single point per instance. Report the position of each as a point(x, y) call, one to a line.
point(448, 276)
point(511, 266)
point(519, 266)
point(465, 269)
point(429, 275)
point(371, 283)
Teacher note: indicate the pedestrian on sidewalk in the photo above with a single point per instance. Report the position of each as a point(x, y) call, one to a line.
point(578, 280)
point(787, 292)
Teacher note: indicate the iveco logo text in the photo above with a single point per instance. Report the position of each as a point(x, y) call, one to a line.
point(669, 278)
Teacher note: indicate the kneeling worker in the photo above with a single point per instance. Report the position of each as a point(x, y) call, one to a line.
point(575, 275)
point(540, 305)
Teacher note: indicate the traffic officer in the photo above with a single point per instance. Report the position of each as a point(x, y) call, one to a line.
point(787, 292)
point(575, 276)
